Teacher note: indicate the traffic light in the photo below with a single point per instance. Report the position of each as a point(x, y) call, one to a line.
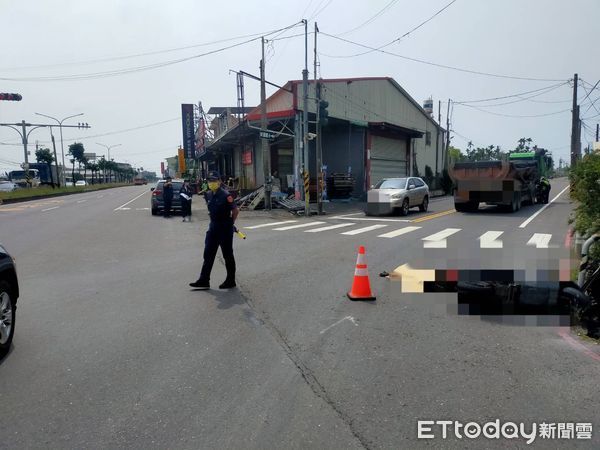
point(323, 113)
point(82, 125)
point(11, 97)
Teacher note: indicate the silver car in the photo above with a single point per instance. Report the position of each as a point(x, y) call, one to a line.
point(397, 194)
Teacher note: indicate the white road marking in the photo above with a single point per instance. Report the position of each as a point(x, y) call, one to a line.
point(269, 224)
point(489, 239)
point(363, 230)
point(81, 201)
point(540, 240)
point(371, 219)
point(142, 209)
point(438, 240)
point(524, 224)
point(50, 209)
point(353, 214)
point(133, 199)
point(331, 227)
point(399, 232)
point(100, 196)
point(350, 318)
point(302, 225)
point(123, 209)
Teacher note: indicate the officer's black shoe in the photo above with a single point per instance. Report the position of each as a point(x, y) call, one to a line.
point(200, 284)
point(227, 284)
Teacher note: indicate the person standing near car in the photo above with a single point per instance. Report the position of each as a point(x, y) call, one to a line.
point(167, 197)
point(186, 201)
point(223, 213)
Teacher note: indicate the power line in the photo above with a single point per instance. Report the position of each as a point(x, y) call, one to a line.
point(553, 86)
point(118, 72)
point(137, 55)
point(320, 10)
point(371, 19)
point(474, 72)
point(391, 42)
point(517, 116)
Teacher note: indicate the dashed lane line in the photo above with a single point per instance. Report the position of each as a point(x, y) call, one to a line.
point(50, 209)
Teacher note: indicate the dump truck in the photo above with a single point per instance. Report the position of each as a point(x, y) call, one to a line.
point(510, 182)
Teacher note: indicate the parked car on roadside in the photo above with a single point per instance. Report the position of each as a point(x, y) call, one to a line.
point(80, 183)
point(157, 204)
point(397, 194)
point(7, 186)
point(9, 292)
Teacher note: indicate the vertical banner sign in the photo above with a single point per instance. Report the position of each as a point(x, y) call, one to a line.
point(181, 160)
point(162, 167)
point(187, 122)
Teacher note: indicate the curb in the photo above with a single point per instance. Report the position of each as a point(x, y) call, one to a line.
point(8, 201)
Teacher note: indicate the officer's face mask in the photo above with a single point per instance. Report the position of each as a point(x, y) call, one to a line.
point(214, 185)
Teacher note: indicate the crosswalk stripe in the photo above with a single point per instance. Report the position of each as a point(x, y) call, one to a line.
point(398, 232)
point(438, 240)
point(489, 239)
point(540, 240)
point(269, 224)
point(362, 230)
point(302, 225)
point(332, 227)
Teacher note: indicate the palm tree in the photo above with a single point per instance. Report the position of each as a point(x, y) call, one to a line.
point(76, 150)
point(94, 169)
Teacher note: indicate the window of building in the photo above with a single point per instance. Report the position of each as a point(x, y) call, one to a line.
point(428, 138)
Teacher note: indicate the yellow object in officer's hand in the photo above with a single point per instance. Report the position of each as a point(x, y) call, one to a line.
point(239, 233)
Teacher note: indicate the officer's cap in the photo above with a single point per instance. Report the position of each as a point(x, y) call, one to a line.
point(214, 176)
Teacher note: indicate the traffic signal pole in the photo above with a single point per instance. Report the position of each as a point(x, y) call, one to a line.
point(305, 122)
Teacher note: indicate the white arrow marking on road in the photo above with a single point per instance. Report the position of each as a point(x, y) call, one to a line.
point(332, 227)
point(269, 224)
point(488, 239)
point(302, 225)
point(50, 209)
point(438, 240)
point(350, 318)
point(133, 199)
point(363, 230)
point(540, 240)
point(399, 232)
point(524, 224)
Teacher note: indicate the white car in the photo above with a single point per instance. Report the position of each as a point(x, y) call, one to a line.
point(392, 194)
point(80, 183)
point(7, 186)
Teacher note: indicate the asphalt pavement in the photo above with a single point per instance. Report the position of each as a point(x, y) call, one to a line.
point(114, 350)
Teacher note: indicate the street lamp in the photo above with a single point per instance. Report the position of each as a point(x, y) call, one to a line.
point(108, 147)
point(62, 147)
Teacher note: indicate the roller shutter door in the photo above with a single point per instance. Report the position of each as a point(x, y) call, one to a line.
point(388, 158)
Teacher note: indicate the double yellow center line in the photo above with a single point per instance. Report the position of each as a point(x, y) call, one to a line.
point(434, 216)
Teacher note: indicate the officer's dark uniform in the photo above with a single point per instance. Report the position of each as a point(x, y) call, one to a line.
point(167, 198)
point(219, 234)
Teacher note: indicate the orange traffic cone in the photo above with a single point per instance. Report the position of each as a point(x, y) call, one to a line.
point(361, 287)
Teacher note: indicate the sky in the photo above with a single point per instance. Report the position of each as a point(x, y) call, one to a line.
point(129, 65)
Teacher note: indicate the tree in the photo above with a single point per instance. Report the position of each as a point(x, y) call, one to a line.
point(102, 165)
point(44, 155)
point(524, 145)
point(455, 154)
point(490, 152)
point(76, 150)
point(94, 169)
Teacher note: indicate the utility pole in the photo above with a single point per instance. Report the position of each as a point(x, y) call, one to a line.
point(264, 136)
point(318, 141)
point(597, 131)
point(305, 122)
point(448, 134)
point(437, 139)
point(55, 158)
point(574, 125)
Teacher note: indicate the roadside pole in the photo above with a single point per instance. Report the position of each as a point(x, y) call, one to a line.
point(55, 158)
point(264, 138)
point(574, 124)
point(319, 162)
point(305, 120)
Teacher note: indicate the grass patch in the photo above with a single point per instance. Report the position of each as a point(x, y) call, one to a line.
point(45, 191)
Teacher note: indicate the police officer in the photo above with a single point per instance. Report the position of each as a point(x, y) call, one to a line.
point(544, 189)
point(223, 213)
point(167, 197)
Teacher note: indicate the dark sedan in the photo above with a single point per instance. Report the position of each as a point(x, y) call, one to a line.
point(9, 292)
point(157, 203)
